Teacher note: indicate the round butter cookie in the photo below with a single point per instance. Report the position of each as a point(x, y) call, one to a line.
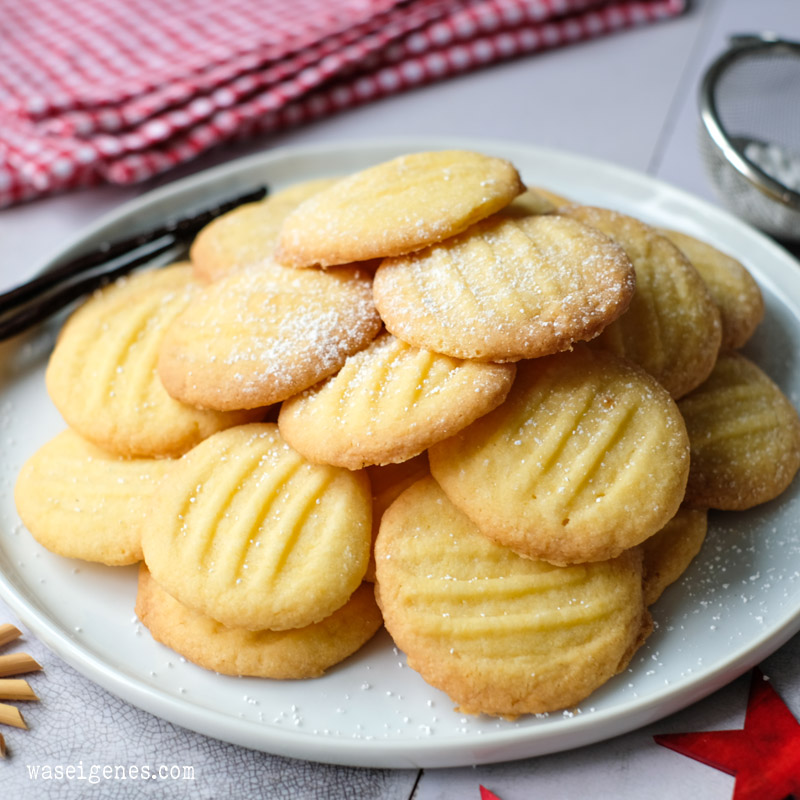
point(668, 553)
point(508, 288)
point(102, 373)
point(558, 200)
point(263, 334)
point(587, 457)
point(388, 482)
point(531, 201)
point(256, 537)
point(501, 634)
point(744, 435)
point(248, 234)
point(80, 501)
point(390, 402)
point(673, 327)
point(397, 207)
point(732, 287)
point(285, 655)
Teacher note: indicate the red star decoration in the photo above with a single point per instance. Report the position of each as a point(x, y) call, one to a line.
point(764, 756)
point(487, 795)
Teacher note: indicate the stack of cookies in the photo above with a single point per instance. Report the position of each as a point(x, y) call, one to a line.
point(424, 396)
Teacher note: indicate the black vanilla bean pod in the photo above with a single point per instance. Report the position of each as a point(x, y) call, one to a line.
point(38, 309)
point(32, 302)
point(181, 228)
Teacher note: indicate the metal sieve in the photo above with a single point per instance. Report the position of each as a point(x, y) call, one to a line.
point(750, 112)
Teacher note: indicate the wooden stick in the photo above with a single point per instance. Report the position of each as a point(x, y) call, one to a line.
point(3, 750)
point(16, 689)
point(8, 633)
point(17, 664)
point(10, 715)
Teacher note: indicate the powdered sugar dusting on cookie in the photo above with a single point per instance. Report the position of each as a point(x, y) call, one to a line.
point(506, 289)
point(266, 333)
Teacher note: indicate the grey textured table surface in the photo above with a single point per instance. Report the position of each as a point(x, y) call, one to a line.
point(629, 99)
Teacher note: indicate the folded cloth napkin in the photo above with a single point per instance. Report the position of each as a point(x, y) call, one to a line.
point(121, 90)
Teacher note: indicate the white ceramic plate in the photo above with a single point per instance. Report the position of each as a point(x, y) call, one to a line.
point(739, 601)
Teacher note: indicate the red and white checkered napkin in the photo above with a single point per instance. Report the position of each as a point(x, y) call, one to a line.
point(120, 90)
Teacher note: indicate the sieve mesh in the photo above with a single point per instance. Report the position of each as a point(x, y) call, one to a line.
point(750, 102)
